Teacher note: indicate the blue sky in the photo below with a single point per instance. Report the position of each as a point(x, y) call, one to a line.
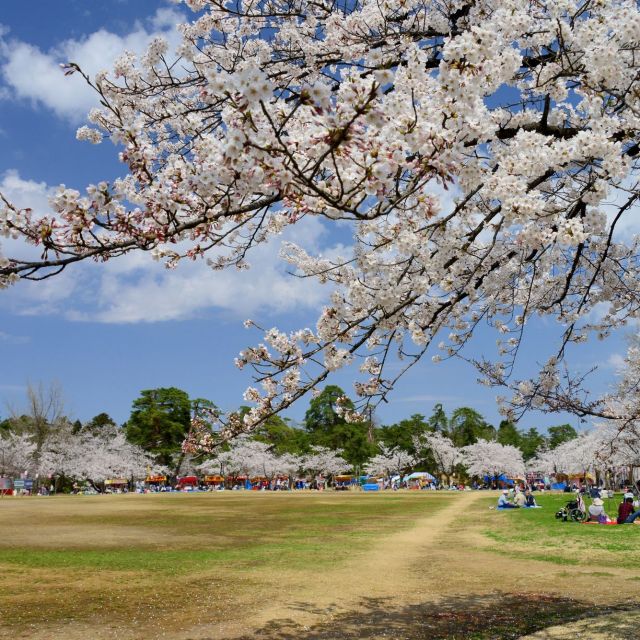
point(106, 332)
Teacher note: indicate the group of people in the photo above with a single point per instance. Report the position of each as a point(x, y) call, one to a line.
point(628, 512)
point(516, 499)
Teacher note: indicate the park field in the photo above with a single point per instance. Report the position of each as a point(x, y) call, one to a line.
point(407, 565)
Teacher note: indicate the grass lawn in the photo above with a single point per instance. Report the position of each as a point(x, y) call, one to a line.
point(537, 535)
point(167, 558)
point(413, 563)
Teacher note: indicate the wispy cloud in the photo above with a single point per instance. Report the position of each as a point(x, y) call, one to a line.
point(13, 388)
point(615, 361)
point(11, 339)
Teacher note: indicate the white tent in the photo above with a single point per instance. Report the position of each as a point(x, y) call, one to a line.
point(419, 474)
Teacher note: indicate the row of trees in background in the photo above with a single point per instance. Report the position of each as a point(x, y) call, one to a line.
point(43, 441)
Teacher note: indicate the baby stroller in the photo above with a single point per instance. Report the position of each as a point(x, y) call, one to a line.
point(574, 510)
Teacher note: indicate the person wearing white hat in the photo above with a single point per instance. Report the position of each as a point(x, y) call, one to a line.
point(596, 510)
point(503, 501)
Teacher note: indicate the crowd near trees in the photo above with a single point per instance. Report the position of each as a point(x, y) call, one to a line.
point(43, 442)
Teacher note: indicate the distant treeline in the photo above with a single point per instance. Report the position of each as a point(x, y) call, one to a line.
point(160, 420)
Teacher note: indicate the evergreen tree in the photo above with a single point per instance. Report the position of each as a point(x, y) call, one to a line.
point(401, 434)
point(467, 426)
point(283, 437)
point(159, 422)
point(508, 434)
point(438, 420)
point(531, 442)
point(328, 429)
point(561, 433)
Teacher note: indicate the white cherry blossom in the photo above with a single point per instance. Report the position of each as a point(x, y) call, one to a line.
point(269, 112)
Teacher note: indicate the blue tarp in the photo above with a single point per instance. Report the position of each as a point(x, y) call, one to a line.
point(559, 486)
point(501, 478)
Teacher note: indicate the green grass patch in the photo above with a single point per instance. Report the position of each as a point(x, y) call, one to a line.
point(538, 535)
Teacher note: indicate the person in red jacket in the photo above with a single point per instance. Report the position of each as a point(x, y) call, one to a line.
point(625, 508)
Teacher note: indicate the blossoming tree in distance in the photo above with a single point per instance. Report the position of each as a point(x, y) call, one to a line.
point(493, 459)
point(275, 110)
point(445, 454)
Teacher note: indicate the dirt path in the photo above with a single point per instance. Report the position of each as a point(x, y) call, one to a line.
point(390, 572)
point(428, 582)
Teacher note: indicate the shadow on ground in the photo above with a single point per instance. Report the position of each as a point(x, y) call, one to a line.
point(491, 617)
point(621, 625)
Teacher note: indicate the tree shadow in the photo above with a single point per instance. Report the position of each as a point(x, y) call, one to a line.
point(494, 616)
point(618, 625)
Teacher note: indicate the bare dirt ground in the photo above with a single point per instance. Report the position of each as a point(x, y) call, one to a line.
point(432, 581)
point(440, 579)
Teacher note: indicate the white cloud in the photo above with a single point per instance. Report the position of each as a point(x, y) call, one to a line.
point(35, 75)
point(134, 288)
point(137, 289)
point(31, 298)
point(13, 387)
point(25, 193)
point(615, 361)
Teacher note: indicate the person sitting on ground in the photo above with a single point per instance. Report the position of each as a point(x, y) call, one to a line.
point(529, 500)
point(596, 511)
point(625, 508)
point(635, 505)
point(503, 501)
point(519, 499)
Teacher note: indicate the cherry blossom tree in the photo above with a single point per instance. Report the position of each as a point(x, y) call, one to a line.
point(549, 462)
point(16, 454)
point(446, 455)
point(252, 458)
point(85, 456)
point(244, 457)
point(390, 461)
point(606, 452)
point(270, 112)
point(493, 459)
point(324, 461)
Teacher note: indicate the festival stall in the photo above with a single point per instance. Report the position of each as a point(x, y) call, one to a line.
point(418, 479)
point(156, 483)
point(187, 483)
point(6, 487)
point(581, 480)
point(116, 485)
point(237, 482)
point(344, 482)
point(259, 483)
point(214, 482)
